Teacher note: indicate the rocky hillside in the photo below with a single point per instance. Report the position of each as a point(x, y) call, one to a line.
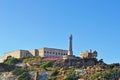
point(36, 68)
point(6, 67)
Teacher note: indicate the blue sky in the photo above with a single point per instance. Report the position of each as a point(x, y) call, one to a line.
point(30, 24)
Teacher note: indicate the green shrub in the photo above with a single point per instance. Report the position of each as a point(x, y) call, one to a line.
point(12, 60)
point(47, 64)
point(24, 76)
point(70, 74)
point(54, 73)
point(32, 59)
point(95, 75)
point(19, 71)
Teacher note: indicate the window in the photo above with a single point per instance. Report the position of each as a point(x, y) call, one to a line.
point(58, 53)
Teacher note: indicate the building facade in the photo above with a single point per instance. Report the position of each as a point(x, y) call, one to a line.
point(43, 52)
point(52, 52)
point(16, 54)
point(88, 54)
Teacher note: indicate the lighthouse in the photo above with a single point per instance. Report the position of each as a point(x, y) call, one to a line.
point(70, 52)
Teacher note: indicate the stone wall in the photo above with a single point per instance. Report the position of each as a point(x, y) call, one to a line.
point(84, 54)
point(15, 54)
point(88, 54)
point(34, 52)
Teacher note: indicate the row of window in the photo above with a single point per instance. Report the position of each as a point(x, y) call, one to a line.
point(56, 53)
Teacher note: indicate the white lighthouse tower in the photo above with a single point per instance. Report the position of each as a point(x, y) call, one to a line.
point(70, 52)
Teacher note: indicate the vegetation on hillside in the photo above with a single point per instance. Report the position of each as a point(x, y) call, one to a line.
point(108, 74)
point(60, 70)
point(71, 74)
point(12, 61)
point(31, 59)
point(46, 64)
point(23, 74)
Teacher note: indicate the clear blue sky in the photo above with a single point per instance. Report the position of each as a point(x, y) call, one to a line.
point(30, 24)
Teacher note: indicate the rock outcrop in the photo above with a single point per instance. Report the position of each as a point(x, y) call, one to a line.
point(5, 67)
point(7, 76)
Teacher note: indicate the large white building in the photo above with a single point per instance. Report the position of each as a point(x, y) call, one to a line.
point(52, 52)
point(43, 52)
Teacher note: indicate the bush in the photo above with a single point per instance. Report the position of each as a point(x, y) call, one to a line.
point(5, 67)
point(24, 76)
point(21, 73)
point(12, 60)
point(95, 75)
point(54, 73)
point(70, 75)
point(47, 64)
point(32, 59)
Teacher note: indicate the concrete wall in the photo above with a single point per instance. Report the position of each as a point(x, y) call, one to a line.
point(15, 54)
point(25, 53)
point(34, 52)
point(1, 59)
point(84, 55)
point(41, 52)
